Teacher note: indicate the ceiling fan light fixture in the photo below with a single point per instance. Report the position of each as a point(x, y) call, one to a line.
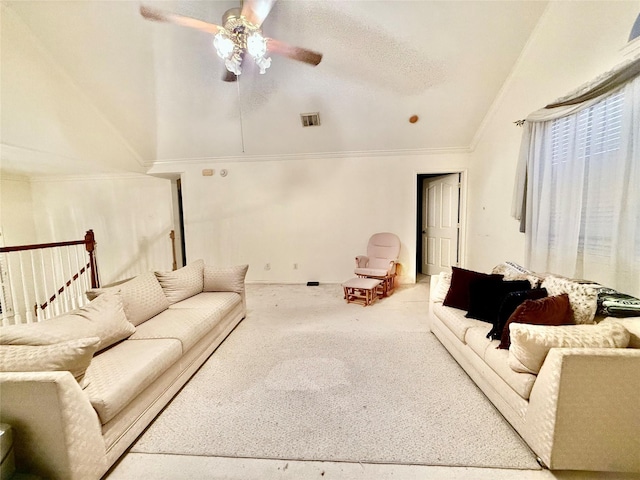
point(223, 44)
point(233, 64)
point(256, 44)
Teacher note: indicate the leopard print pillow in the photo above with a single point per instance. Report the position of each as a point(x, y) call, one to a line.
point(582, 297)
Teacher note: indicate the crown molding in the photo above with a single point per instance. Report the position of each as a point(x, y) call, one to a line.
point(312, 156)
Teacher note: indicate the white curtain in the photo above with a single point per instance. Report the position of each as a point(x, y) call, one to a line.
point(578, 189)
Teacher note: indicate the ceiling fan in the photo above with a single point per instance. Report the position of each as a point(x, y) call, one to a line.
point(238, 35)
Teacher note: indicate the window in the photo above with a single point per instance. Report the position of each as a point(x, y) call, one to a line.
point(577, 191)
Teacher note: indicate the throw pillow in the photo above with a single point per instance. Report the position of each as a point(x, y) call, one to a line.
point(458, 294)
point(510, 302)
point(486, 296)
point(73, 356)
point(103, 318)
point(143, 298)
point(513, 271)
point(225, 279)
point(442, 287)
point(182, 283)
point(554, 310)
point(582, 296)
point(530, 344)
point(612, 303)
point(632, 324)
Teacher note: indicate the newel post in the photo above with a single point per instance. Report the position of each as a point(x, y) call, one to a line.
point(90, 245)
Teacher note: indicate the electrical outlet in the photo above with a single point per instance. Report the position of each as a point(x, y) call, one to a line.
point(267, 266)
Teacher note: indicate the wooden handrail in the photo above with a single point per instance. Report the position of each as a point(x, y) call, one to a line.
point(38, 246)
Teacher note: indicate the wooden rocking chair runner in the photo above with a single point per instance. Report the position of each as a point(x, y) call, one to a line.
point(380, 261)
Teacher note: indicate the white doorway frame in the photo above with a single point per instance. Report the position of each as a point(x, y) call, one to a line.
point(462, 243)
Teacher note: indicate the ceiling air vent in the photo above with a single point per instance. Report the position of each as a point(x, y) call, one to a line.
point(310, 119)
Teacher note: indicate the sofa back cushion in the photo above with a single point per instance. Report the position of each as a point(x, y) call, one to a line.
point(73, 356)
point(182, 283)
point(554, 310)
point(225, 279)
point(530, 344)
point(103, 318)
point(142, 298)
point(439, 293)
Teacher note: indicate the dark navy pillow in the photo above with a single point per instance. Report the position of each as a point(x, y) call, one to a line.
point(486, 296)
point(510, 302)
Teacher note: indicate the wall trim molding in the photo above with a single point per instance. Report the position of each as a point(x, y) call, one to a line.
point(310, 156)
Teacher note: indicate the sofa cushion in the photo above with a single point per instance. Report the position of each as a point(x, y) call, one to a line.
point(476, 338)
point(510, 302)
point(73, 356)
point(182, 283)
point(554, 310)
point(103, 318)
point(583, 297)
point(487, 294)
point(442, 287)
point(531, 343)
point(225, 279)
point(117, 375)
point(142, 298)
point(454, 320)
point(498, 360)
point(458, 294)
point(223, 301)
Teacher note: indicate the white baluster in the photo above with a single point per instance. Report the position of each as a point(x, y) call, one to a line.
point(4, 286)
point(28, 306)
point(17, 318)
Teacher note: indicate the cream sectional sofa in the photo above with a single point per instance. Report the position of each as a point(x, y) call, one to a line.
point(149, 335)
point(581, 410)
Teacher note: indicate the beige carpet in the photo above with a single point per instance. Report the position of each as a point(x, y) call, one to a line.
point(308, 377)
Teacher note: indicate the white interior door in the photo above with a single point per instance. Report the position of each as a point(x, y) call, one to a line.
point(440, 223)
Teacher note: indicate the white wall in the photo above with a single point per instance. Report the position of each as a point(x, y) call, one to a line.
point(16, 207)
point(317, 213)
point(573, 43)
point(131, 217)
point(48, 124)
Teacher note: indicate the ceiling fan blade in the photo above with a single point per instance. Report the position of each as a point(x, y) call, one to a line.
point(296, 53)
point(255, 11)
point(156, 15)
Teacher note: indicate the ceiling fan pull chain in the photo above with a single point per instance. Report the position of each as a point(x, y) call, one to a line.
point(240, 111)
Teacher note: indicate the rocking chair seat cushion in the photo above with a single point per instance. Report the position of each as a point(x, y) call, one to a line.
point(371, 272)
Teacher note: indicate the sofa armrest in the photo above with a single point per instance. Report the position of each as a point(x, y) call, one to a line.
point(57, 433)
point(362, 261)
point(584, 412)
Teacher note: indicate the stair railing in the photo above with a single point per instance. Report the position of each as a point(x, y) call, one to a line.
point(44, 280)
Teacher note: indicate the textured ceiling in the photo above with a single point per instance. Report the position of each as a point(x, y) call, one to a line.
point(160, 85)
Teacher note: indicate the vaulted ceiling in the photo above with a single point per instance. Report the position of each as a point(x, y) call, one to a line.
point(160, 86)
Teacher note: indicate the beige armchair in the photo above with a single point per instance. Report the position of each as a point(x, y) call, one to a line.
point(380, 261)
